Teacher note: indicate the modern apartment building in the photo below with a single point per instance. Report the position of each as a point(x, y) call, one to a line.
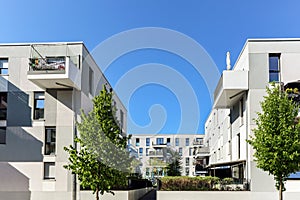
point(153, 153)
point(236, 102)
point(43, 87)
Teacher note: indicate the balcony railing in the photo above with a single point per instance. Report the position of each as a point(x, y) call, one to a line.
point(56, 65)
point(156, 153)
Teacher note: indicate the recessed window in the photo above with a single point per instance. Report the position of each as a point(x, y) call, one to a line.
point(177, 142)
point(2, 135)
point(50, 140)
point(187, 171)
point(187, 141)
point(274, 67)
point(3, 105)
point(3, 66)
point(91, 81)
point(180, 151)
point(49, 170)
point(147, 151)
point(187, 161)
point(159, 141)
point(141, 151)
point(191, 152)
point(39, 105)
point(137, 142)
point(147, 142)
point(168, 141)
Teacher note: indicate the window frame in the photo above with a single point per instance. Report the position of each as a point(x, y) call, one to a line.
point(48, 177)
point(275, 71)
point(51, 143)
point(4, 137)
point(4, 109)
point(35, 108)
point(3, 68)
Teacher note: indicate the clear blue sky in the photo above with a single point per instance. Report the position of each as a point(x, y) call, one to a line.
point(217, 26)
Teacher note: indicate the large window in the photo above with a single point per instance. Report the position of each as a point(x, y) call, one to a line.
point(50, 140)
point(187, 141)
point(177, 142)
point(49, 170)
point(159, 141)
point(3, 66)
point(2, 135)
point(3, 105)
point(39, 105)
point(274, 67)
point(147, 142)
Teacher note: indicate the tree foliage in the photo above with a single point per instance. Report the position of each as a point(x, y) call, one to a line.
point(276, 139)
point(174, 167)
point(102, 160)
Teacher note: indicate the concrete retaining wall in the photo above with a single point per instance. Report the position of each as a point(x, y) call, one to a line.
point(119, 195)
point(217, 195)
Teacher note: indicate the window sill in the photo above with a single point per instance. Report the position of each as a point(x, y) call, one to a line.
point(49, 179)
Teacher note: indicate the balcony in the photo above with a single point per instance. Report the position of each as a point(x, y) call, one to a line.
point(230, 88)
point(55, 72)
point(159, 145)
point(202, 152)
point(156, 154)
point(198, 143)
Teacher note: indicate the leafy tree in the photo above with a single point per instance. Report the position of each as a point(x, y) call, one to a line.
point(102, 160)
point(276, 139)
point(174, 167)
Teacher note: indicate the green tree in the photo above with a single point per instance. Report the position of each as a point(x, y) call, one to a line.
point(174, 167)
point(276, 139)
point(102, 160)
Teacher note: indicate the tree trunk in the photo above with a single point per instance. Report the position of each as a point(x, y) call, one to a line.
point(97, 194)
point(280, 189)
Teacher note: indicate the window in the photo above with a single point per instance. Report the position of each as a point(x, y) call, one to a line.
point(147, 171)
point(180, 151)
point(229, 147)
point(199, 141)
point(3, 105)
point(141, 151)
point(50, 135)
point(147, 142)
point(187, 171)
point(274, 67)
point(187, 141)
point(2, 135)
point(49, 170)
point(121, 118)
point(242, 111)
point(137, 142)
point(3, 66)
point(159, 141)
point(168, 141)
point(177, 142)
point(91, 81)
point(239, 145)
point(187, 161)
point(39, 105)
point(191, 152)
point(147, 151)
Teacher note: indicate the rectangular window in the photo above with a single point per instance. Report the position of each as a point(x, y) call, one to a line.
point(177, 142)
point(39, 105)
point(147, 142)
point(3, 66)
point(187, 141)
point(229, 147)
point(147, 151)
point(49, 170)
point(187, 161)
point(50, 140)
point(242, 111)
point(141, 151)
point(191, 152)
point(168, 141)
point(159, 141)
point(121, 118)
point(91, 81)
point(2, 135)
point(180, 151)
point(239, 145)
point(137, 142)
point(187, 171)
point(3, 105)
point(274, 67)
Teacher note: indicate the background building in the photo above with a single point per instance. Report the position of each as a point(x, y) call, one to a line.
point(236, 102)
point(42, 89)
point(153, 152)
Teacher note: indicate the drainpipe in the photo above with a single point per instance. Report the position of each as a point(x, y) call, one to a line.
point(247, 137)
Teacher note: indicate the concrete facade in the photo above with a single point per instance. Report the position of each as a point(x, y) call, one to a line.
point(151, 148)
point(42, 101)
point(236, 103)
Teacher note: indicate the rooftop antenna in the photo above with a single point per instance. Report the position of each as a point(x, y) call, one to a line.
point(228, 60)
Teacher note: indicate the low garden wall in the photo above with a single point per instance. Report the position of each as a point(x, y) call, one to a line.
point(119, 194)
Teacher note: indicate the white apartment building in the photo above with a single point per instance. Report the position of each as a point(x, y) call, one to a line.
point(153, 156)
point(43, 87)
point(236, 102)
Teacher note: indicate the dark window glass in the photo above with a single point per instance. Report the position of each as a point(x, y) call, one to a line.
point(168, 141)
point(2, 135)
point(177, 141)
point(137, 142)
point(187, 141)
point(180, 151)
point(3, 66)
point(274, 62)
point(3, 105)
point(159, 141)
point(39, 105)
point(49, 170)
point(147, 142)
point(50, 140)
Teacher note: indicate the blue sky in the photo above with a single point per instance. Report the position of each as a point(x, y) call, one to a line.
point(154, 107)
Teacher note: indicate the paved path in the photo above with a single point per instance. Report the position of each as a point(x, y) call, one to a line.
point(149, 196)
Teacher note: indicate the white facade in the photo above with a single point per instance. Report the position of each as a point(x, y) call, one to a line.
point(151, 148)
point(40, 103)
point(236, 103)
